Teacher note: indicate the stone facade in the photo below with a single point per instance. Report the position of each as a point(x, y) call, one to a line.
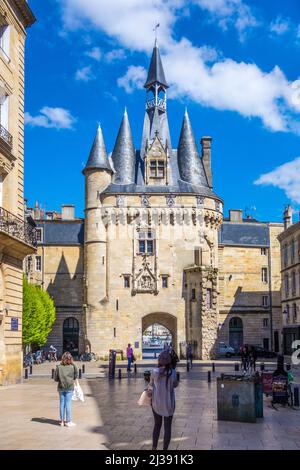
point(16, 236)
point(290, 277)
point(249, 289)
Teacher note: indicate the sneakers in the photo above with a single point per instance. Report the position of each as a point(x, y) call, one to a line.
point(62, 423)
point(70, 424)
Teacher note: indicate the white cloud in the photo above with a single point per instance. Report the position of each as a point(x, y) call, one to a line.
point(286, 177)
point(94, 53)
point(135, 77)
point(84, 74)
point(115, 54)
point(197, 73)
point(58, 118)
point(280, 26)
point(230, 12)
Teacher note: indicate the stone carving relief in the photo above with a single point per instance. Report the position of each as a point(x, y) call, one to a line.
point(145, 280)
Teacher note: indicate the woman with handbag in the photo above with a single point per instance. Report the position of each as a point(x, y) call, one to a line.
point(161, 387)
point(65, 374)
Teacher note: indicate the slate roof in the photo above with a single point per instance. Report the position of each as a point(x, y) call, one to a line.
point(156, 72)
point(57, 232)
point(123, 155)
point(244, 234)
point(98, 155)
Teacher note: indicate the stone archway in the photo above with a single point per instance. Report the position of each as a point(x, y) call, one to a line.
point(164, 319)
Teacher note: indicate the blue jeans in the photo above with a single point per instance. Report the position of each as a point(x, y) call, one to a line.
point(65, 399)
point(129, 363)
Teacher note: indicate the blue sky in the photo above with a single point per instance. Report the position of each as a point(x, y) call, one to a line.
point(233, 63)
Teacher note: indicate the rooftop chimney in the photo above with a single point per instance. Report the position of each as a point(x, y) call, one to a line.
point(288, 217)
point(68, 212)
point(206, 158)
point(236, 215)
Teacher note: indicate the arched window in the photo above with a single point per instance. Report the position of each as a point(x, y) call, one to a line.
point(71, 336)
point(236, 333)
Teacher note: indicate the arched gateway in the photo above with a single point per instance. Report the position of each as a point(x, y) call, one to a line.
point(164, 319)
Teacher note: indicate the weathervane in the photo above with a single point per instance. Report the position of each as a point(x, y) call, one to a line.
point(155, 29)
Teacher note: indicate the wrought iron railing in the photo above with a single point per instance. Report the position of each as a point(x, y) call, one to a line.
point(6, 136)
point(17, 227)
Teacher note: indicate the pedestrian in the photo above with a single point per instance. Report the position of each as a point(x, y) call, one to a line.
point(189, 354)
point(130, 356)
point(65, 374)
point(253, 358)
point(163, 380)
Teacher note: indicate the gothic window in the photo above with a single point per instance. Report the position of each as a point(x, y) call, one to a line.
point(294, 313)
point(286, 285)
point(164, 281)
point(293, 251)
point(157, 168)
point(293, 282)
point(263, 251)
point(264, 275)
point(38, 263)
point(265, 300)
point(39, 234)
point(193, 294)
point(209, 298)
point(146, 242)
point(126, 281)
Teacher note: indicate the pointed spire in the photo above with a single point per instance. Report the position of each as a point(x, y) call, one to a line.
point(98, 156)
point(156, 72)
point(123, 155)
point(190, 164)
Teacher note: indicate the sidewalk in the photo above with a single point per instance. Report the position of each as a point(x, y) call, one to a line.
point(111, 419)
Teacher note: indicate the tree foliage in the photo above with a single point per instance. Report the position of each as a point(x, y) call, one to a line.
point(38, 314)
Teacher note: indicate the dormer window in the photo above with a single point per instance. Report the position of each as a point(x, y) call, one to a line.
point(157, 169)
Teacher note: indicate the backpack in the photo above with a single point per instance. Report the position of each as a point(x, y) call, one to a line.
point(174, 359)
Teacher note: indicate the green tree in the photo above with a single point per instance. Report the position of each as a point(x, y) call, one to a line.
point(38, 314)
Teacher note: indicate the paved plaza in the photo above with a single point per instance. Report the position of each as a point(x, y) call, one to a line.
point(111, 419)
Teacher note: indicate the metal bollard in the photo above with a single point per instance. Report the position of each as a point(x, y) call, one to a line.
point(262, 366)
point(208, 376)
point(288, 367)
point(52, 374)
point(79, 374)
point(188, 366)
point(296, 396)
point(30, 369)
point(178, 376)
point(83, 368)
point(26, 374)
point(135, 368)
point(236, 367)
point(120, 374)
point(213, 367)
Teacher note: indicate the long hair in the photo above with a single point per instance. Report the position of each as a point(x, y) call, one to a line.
point(167, 371)
point(66, 359)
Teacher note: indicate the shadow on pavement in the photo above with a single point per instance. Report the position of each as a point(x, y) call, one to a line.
point(54, 422)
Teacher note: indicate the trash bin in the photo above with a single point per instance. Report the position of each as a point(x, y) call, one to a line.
point(112, 364)
point(147, 375)
point(239, 398)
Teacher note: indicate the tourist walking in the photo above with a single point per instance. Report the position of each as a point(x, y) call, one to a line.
point(253, 358)
point(163, 380)
point(130, 357)
point(65, 374)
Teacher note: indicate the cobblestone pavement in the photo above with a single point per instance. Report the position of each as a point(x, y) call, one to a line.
point(111, 419)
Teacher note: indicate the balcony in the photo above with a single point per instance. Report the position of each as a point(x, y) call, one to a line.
point(17, 236)
point(6, 136)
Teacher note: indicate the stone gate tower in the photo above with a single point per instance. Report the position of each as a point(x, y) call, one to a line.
point(151, 223)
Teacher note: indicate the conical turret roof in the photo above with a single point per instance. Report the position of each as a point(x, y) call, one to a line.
point(98, 156)
point(156, 72)
point(123, 155)
point(190, 164)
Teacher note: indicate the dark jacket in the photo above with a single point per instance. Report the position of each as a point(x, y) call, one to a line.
point(65, 376)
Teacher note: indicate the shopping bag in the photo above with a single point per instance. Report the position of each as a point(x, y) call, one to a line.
point(78, 393)
point(144, 399)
